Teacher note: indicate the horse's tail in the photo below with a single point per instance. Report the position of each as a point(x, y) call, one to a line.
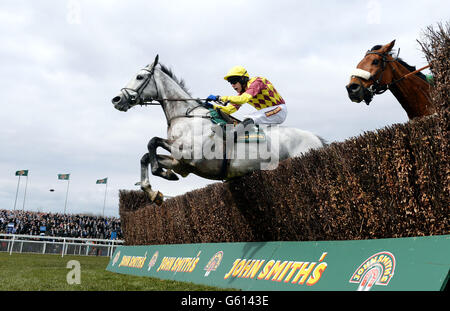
point(323, 141)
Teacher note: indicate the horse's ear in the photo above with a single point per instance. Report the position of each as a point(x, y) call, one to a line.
point(388, 47)
point(156, 60)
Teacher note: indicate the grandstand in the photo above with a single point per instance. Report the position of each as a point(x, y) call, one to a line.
point(59, 225)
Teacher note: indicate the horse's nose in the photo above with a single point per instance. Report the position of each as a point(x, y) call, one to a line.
point(117, 99)
point(353, 88)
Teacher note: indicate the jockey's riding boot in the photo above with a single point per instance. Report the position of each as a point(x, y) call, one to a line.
point(240, 127)
point(247, 122)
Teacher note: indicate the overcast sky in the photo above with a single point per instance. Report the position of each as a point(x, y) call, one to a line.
point(61, 63)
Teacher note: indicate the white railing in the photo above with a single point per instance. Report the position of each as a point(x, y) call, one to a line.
point(57, 245)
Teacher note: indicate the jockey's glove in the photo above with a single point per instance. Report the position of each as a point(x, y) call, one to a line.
point(213, 98)
point(208, 105)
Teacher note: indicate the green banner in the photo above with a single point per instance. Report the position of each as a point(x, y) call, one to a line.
point(401, 264)
point(22, 173)
point(63, 176)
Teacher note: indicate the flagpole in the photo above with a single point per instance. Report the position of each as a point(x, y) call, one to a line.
point(104, 201)
point(67, 193)
point(17, 191)
point(25, 194)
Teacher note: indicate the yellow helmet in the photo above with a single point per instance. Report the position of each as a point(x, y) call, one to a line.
point(237, 71)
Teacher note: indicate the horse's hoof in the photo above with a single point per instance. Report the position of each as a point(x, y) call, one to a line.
point(159, 199)
point(170, 175)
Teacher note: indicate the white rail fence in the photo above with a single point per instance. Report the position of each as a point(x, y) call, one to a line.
point(57, 245)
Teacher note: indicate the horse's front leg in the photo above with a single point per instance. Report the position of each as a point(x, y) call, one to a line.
point(171, 164)
point(155, 196)
point(157, 168)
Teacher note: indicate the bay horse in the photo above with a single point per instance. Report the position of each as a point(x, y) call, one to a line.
point(196, 144)
point(379, 71)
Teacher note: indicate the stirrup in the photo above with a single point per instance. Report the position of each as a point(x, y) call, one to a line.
point(247, 121)
point(254, 135)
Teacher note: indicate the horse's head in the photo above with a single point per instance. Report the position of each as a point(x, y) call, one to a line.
point(139, 89)
point(371, 76)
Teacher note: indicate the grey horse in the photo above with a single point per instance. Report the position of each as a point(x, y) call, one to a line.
point(195, 143)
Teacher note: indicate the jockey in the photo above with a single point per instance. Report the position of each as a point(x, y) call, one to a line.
point(258, 92)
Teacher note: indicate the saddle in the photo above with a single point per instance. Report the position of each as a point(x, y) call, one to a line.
point(219, 117)
point(255, 134)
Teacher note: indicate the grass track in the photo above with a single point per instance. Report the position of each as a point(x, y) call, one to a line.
point(35, 272)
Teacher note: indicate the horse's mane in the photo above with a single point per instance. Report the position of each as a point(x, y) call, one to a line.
point(402, 62)
point(180, 82)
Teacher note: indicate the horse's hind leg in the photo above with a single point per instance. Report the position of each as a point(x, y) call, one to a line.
point(155, 196)
point(157, 168)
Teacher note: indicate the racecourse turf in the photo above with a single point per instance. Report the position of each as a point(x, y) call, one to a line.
point(36, 272)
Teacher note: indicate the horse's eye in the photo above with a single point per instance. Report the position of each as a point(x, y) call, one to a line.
point(139, 77)
point(375, 62)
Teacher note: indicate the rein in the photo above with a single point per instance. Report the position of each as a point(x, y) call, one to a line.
point(151, 102)
point(186, 115)
point(137, 98)
point(411, 73)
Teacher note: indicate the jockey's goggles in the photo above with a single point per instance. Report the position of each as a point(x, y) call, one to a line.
point(234, 79)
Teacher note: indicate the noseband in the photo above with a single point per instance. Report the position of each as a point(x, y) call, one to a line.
point(377, 87)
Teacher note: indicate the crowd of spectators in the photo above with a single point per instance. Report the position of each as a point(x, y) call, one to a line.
point(59, 225)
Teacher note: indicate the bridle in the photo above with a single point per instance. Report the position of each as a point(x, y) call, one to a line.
point(136, 98)
point(377, 88)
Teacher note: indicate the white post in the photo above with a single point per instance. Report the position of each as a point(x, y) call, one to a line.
point(9, 246)
point(109, 249)
point(112, 250)
point(45, 245)
point(64, 243)
point(12, 244)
